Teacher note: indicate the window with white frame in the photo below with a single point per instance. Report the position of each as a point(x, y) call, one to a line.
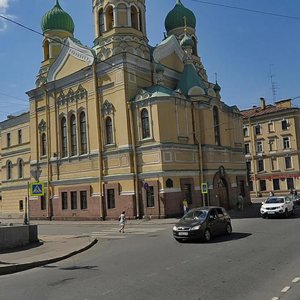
point(145, 123)
point(284, 124)
point(288, 162)
point(271, 126)
point(73, 135)
point(259, 146)
point(20, 168)
point(262, 185)
point(83, 135)
point(257, 129)
point(290, 183)
point(274, 165)
point(276, 184)
point(246, 131)
point(9, 167)
point(247, 148)
point(286, 143)
point(109, 130)
point(64, 140)
point(272, 145)
point(260, 165)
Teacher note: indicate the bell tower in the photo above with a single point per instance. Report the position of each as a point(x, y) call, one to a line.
point(120, 26)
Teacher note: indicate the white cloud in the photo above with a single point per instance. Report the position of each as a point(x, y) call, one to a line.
point(4, 5)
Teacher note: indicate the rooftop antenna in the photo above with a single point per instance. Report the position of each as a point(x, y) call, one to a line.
point(274, 84)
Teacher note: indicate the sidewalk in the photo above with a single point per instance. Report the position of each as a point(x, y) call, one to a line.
point(51, 249)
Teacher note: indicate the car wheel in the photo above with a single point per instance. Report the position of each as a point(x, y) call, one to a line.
point(228, 229)
point(263, 216)
point(207, 235)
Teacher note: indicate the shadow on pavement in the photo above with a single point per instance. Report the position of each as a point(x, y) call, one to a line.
point(22, 248)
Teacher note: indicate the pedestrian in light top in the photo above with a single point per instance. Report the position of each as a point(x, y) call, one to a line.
point(185, 206)
point(122, 220)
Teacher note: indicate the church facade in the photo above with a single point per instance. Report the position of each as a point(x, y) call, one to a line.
point(122, 126)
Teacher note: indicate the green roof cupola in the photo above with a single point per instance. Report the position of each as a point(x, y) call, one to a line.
point(177, 16)
point(57, 19)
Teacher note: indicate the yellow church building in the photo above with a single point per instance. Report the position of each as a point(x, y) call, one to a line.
point(121, 126)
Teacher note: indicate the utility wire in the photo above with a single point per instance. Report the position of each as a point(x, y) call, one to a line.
point(247, 9)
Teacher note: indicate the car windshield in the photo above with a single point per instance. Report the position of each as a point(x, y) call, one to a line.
point(275, 200)
point(195, 214)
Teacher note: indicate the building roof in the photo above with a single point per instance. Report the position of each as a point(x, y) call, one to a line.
point(57, 19)
point(175, 18)
point(258, 111)
point(189, 79)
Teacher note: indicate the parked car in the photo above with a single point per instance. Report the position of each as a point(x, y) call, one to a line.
point(277, 206)
point(202, 223)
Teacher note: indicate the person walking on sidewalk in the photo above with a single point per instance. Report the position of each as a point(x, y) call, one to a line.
point(185, 206)
point(240, 202)
point(122, 220)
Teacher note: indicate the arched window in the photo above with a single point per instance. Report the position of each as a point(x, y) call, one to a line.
point(109, 18)
point(9, 167)
point(73, 136)
point(145, 124)
point(216, 126)
point(141, 22)
point(43, 144)
point(46, 50)
point(83, 140)
point(109, 130)
point(101, 22)
point(20, 168)
point(64, 139)
point(134, 18)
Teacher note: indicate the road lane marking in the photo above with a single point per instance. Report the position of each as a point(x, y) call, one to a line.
point(275, 298)
point(296, 279)
point(284, 290)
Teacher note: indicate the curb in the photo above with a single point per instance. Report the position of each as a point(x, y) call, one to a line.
point(26, 266)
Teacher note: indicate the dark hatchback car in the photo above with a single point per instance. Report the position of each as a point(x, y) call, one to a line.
point(202, 223)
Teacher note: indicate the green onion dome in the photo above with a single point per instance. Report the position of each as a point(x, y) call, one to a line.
point(175, 18)
point(57, 19)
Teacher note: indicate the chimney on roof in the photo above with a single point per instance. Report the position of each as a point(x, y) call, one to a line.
point(262, 103)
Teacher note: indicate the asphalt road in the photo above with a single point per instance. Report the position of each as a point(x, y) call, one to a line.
point(257, 262)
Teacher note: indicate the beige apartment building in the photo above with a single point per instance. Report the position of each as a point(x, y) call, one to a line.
point(271, 136)
point(122, 125)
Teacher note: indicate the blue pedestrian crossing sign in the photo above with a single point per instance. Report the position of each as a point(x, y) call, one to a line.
point(37, 189)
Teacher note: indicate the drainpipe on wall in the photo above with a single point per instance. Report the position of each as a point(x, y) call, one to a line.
point(49, 206)
point(135, 168)
point(99, 127)
point(198, 142)
point(252, 155)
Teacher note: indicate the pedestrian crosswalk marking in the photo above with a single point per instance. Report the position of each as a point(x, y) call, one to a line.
point(113, 233)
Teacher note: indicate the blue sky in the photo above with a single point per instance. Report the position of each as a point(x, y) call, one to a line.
point(242, 47)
